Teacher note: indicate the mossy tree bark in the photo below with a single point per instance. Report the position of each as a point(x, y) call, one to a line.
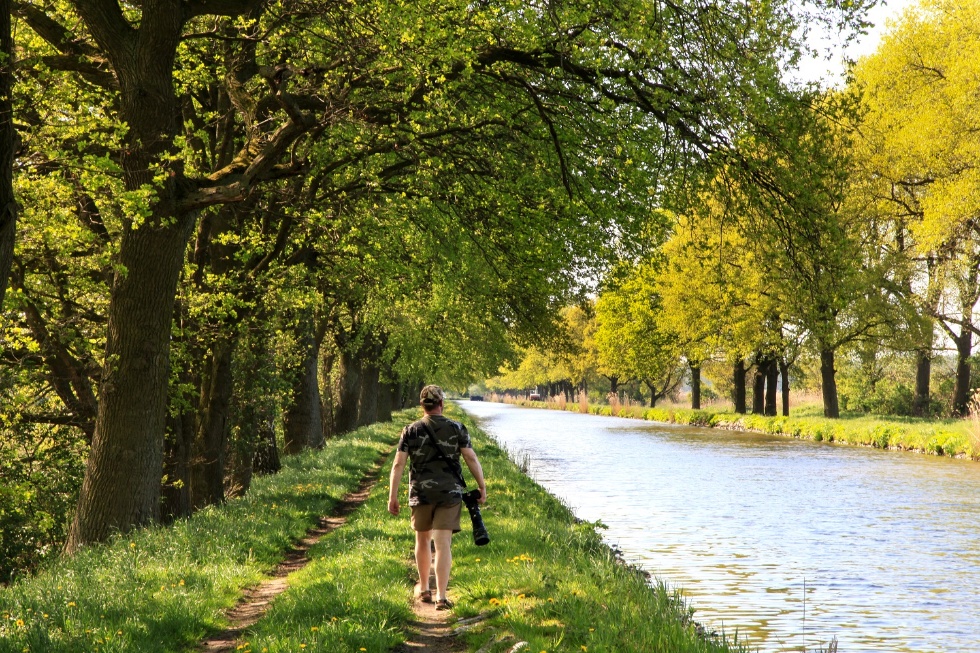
point(350, 387)
point(304, 422)
point(211, 443)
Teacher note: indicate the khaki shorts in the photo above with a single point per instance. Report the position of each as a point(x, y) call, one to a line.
point(440, 517)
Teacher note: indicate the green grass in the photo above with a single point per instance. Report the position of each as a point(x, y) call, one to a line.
point(942, 437)
point(163, 589)
point(545, 578)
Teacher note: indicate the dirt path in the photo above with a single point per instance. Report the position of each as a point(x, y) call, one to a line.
point(430, 631)
point(256, 600)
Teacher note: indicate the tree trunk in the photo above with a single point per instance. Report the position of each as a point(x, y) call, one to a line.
point(350, 387)
point(210, 445)
point(614, 384)
point(961, 391)
point(367, 399)
point(828, 382)
point(784, 384)
point(739, 382)
point(653, 394)
point(772, 378)
point(923, 374)
point(8, 145)
point(759, 389)
point(386, 401)
point(121, 489)
point(266, 460)
point(176, 490)
point(327, 398)
point(303, 423)
point(696, 386)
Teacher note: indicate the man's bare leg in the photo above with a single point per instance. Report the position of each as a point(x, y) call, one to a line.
point(423, 557)
point(444, 560)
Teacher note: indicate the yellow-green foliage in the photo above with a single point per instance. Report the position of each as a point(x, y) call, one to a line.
point(942, 438)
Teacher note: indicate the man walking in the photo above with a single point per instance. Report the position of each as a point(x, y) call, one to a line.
point(435, 494)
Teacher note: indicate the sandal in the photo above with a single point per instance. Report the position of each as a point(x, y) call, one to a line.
point(444, 604)
point(425, 596)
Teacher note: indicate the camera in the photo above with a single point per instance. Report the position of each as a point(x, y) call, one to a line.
point(472, 501)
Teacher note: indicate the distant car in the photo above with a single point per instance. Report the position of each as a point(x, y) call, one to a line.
point(534, 396)
point(476, 397)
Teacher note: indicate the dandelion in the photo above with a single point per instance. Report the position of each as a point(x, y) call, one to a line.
point(520, 596)
point(550, 600)
point(302, 645)
point(181, 583)
point(494, 601)
point(333, 618)
point(585, 648)
point(314, 629)
point(478, 560)
point(132, 545)
point(71, 604)
point(20, 623)
point(591, 630)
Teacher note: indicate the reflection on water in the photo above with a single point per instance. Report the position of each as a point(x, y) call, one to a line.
point(886, 543)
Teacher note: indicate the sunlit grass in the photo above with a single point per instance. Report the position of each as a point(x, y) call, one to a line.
point(163, 589)
point(544, 579)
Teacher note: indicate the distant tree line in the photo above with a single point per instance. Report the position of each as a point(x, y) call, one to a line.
point(855, 248)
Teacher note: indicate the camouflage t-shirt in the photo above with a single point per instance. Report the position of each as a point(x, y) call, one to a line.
point(430, 479)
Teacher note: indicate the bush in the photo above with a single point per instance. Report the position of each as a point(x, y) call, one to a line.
point(42, 469)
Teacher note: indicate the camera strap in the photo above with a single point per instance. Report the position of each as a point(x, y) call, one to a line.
point(457, 469)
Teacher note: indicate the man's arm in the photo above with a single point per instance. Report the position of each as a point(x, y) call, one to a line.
point(397, 469)
point(473, 463)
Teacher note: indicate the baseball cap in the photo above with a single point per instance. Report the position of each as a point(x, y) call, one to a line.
point(431, 395)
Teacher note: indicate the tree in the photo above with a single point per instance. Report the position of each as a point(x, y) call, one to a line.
point(183, 114)
point(919, 142)
point(630, 340)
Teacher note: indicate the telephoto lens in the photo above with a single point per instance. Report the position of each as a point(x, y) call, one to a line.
point(472, 501)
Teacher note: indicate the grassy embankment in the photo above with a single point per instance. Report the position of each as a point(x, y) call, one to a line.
point(948, 437)
point(544, 578)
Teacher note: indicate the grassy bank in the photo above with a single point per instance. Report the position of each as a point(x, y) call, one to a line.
point(544, 579)
point(951, 437)
point(162, 589)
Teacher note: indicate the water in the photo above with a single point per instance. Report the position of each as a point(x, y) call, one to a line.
point(888, 543)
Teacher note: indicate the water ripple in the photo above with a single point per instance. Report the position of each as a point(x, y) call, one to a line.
point(887, 543)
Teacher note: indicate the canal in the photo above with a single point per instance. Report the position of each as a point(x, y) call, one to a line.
point(887, 544)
